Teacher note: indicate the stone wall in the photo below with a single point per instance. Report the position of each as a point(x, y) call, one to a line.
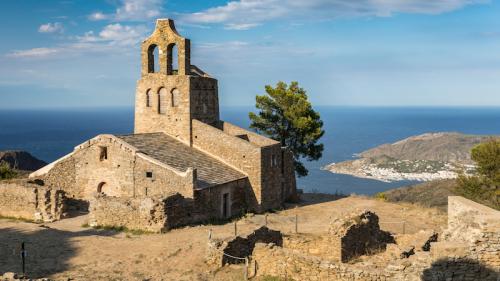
point(236, 152)
point(270, 184)
point(358, 235)
point(233, 251)
point(470, 250)
point(154, 214)
point(21, 199)
point(272, 260)
point(208, 201)
point(123, 172)
point(476, 227)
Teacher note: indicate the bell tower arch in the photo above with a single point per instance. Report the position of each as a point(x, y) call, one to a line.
point(174, 92)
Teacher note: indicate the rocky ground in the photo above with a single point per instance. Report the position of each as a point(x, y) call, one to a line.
point(67, 249)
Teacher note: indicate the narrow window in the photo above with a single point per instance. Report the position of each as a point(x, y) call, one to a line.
point(100, 187)
point(175, 97)
point(274, 161)
point(172, 60)
point(149, 174)
point(153, 59)
point(162, 101)
point(226, 207)
point(103, 153)
point(148, 98)
point(282, 161)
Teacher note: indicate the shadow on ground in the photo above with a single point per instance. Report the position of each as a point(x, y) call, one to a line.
point(47, 250)
point(459, 269)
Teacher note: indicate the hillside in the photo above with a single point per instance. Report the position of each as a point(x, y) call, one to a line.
point(428, 194)
point(424, 157)
point(21, 160)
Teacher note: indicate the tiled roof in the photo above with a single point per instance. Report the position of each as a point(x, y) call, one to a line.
point(180, 156)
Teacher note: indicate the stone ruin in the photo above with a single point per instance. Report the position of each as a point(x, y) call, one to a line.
point(469, 249)
point(31, 200)
point(151, 214)
point(359, 234)
point(222, 252)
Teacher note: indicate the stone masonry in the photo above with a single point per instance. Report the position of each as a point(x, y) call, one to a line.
point(27, 200)
point(469, 250)
point(179, 145)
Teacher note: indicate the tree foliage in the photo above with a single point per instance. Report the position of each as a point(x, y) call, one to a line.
point(484, 186)
point(6, 172)
point(286, 115)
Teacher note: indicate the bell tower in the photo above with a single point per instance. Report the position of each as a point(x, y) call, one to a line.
point(171, 91)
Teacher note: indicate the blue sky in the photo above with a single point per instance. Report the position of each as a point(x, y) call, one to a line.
point(74, 53)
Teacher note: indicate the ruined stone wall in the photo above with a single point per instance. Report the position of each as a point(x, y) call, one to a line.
point(359, 234)
point(236, 152)
point(284, 263)
point(154, 214)
point(21, 199)
point(233, 251)
point(475, 226)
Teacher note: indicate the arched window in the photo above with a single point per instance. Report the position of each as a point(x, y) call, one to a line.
point(172, 59)
point(162, 101)
point(100, 187)
point(175, 97)
point(148, 98)
point(153, 59)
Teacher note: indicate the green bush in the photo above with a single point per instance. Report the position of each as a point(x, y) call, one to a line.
point(484, 185)
point(6, 172)
point(381, 196)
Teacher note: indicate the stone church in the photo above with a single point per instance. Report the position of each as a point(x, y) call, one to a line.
point(179, 147)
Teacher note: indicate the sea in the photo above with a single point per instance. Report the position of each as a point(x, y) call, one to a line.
point(50, 134)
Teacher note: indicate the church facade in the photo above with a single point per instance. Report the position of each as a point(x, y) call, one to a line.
point(179, 146)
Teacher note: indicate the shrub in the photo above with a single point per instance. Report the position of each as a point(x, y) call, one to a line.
point(484, 185)
point(6, 172)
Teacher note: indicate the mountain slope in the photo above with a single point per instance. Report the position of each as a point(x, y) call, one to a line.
point(21, 160)
point(424, 157)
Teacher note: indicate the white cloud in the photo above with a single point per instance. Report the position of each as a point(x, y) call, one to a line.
point(111, 37)
point(241, 26)
point(132, 10)
point(34, 53)
point(51, 28)
point(116, 34)
point(249, 13)
point(98, 16)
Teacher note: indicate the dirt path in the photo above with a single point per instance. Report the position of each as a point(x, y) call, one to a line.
point(66, 249)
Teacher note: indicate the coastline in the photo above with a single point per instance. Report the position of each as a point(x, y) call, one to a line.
point(361, 168)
